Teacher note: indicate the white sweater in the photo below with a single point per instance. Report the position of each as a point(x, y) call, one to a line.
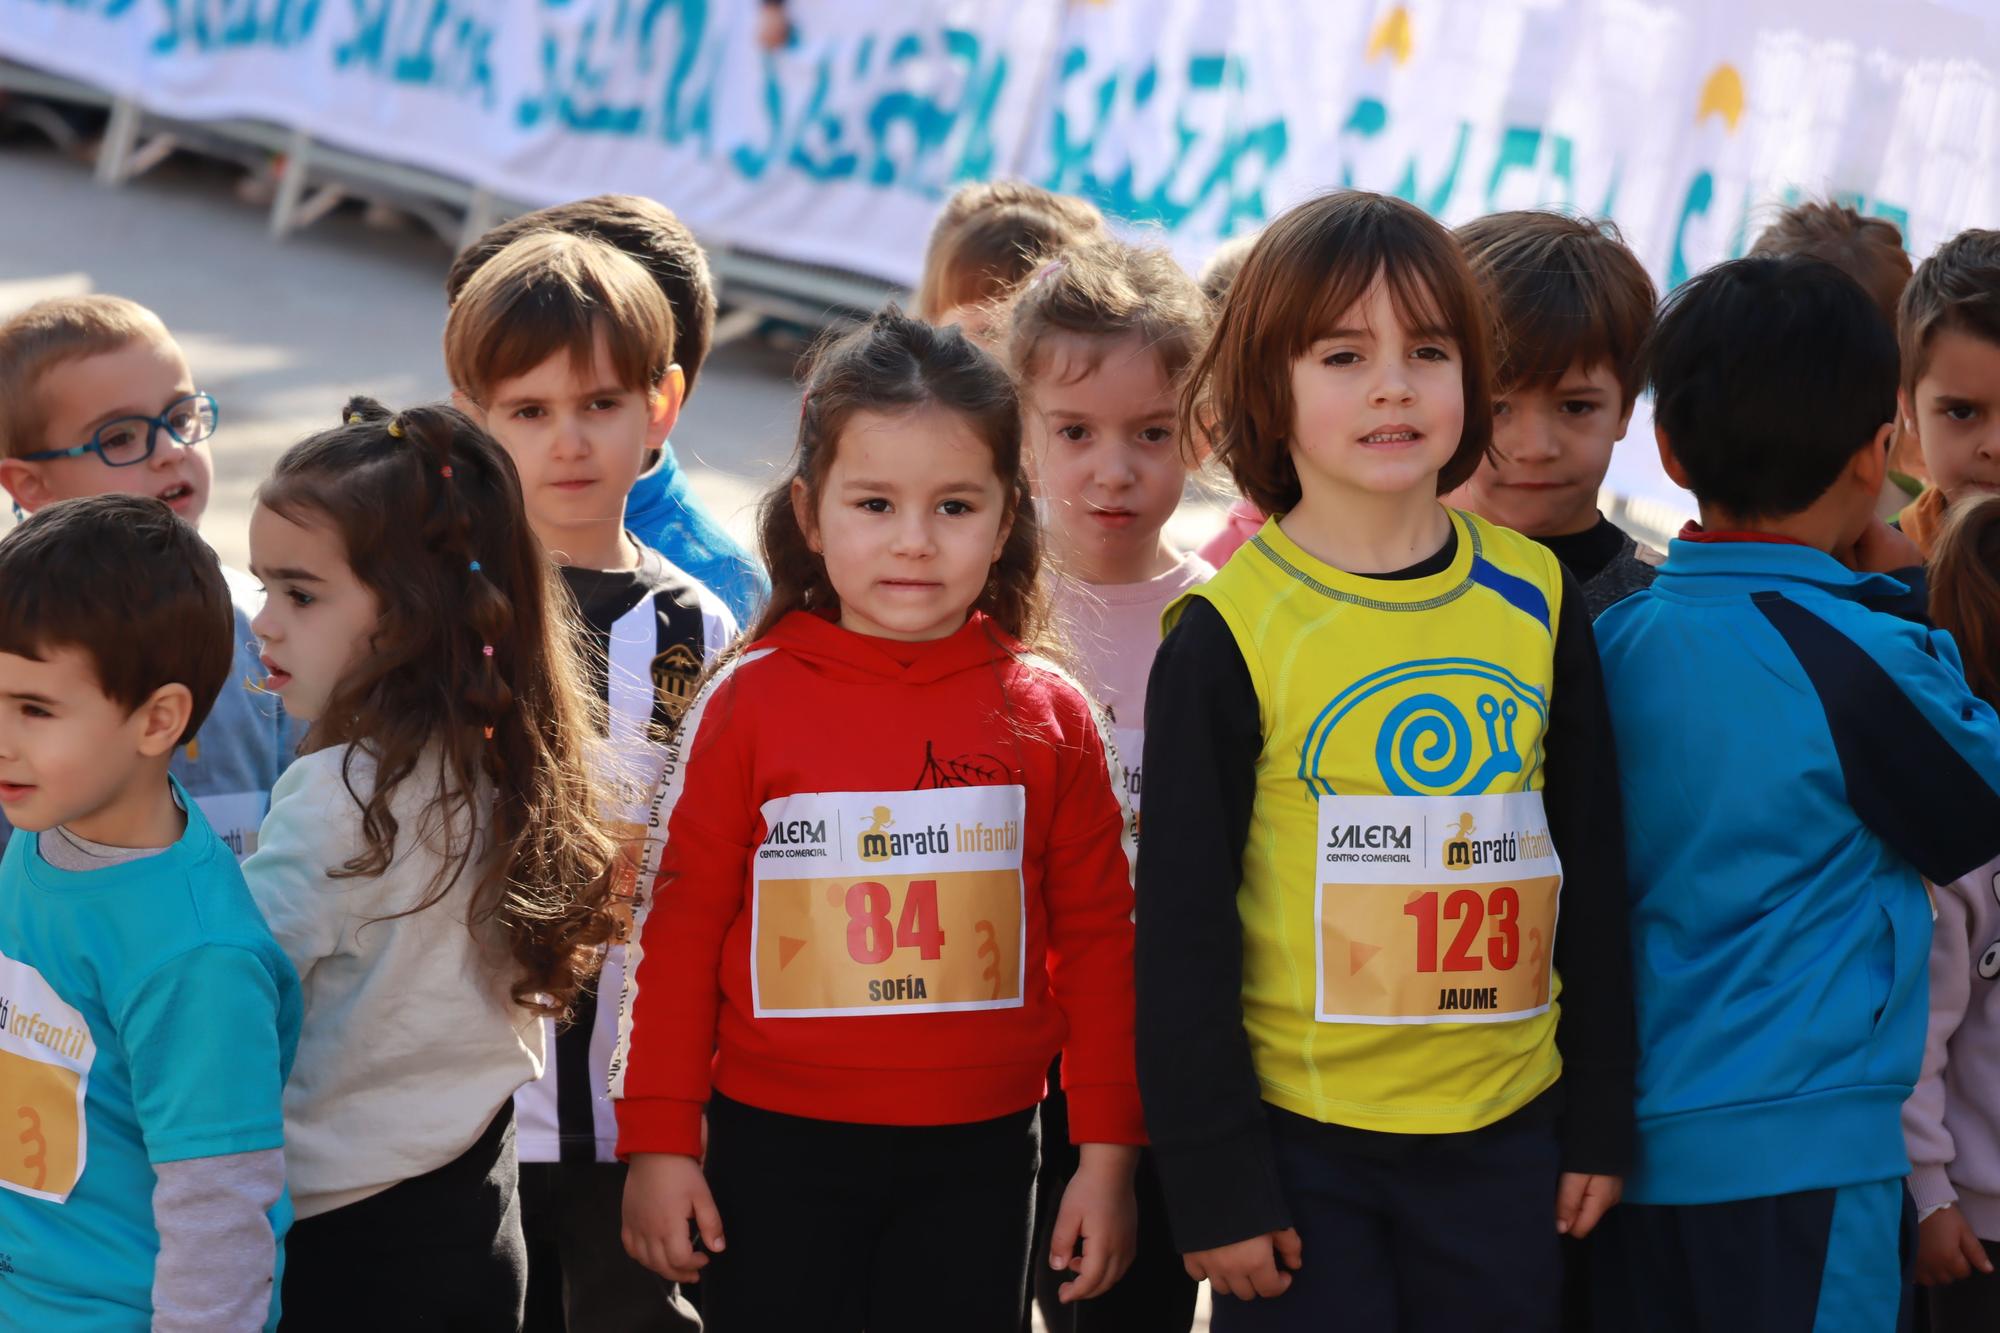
point(411, 1042)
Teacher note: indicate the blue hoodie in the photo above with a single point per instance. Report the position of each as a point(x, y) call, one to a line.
point(662, 512)
point(1791, 761)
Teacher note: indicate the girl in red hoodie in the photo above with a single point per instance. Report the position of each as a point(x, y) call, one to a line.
point(895, 880)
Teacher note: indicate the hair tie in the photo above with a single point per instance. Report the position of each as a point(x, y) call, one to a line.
point(395, 428)
point(475, 566)
point(445, 472)
point(353, 418)
point(486, 648)
point(489, 733)
point(1048, 270)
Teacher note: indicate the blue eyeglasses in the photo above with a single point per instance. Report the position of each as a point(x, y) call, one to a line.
point(130, 440)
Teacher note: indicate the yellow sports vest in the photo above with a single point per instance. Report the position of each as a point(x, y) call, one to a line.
point(1400, 888)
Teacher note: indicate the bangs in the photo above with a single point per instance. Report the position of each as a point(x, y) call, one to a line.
point(1570, 326)
point(1328, 304)
point(551, 293)
point(523, 338)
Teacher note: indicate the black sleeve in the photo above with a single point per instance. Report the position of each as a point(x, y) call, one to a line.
point(1597, 1033)
point(1204, 1112)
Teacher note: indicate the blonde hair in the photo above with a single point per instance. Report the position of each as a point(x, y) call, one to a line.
point(991, 235)
point(44, 336)
point(1105, 290)
point(551, 292)
point(1965, 589)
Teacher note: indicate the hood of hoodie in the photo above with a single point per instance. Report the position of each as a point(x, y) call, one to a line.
point(842, 654)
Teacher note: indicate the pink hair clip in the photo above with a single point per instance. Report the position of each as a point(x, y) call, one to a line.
point(1048, 270)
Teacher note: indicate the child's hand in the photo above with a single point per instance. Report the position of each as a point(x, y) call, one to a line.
point(1583, 1200)
point(1249, 1268)
point(1098, 1209)
point(662, 1192)
point(1947, 1250)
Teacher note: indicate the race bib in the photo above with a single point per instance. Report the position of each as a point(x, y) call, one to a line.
point(235, 817)
point(1131, 743)
point(46, 1051)
point(1434, 909)
point(889, 902)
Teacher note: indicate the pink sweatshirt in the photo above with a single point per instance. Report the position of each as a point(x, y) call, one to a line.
point(1951, 1123)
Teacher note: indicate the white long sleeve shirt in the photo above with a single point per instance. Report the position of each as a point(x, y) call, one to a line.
point(411, 1042)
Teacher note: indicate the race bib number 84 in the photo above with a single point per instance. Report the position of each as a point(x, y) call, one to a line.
point(889, 902)
point(1434, 909)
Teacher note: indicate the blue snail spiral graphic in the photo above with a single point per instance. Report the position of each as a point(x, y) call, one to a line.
point(1425, 737)
point(1425, 742)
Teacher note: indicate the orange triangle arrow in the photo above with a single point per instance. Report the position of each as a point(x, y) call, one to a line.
point(1358, 955)
point(788, 949)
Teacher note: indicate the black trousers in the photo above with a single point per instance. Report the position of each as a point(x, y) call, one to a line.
point(441, 1251)
point(1405, 1233)
point(1156, 1295)
point(579, 1277)
point(834, 1227)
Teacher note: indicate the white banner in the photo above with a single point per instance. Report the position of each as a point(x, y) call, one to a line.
point(1688, 121)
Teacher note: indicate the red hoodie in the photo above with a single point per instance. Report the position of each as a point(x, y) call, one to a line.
point(895, 880)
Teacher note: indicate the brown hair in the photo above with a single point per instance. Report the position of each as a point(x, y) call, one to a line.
point(1958, 287)
point(1565, 292)
point(48, 333)
point(1218, 275)
point(991, 235)
point(551, 292)
point(474, 656)
point(1868, 250)
point(108, 573)
point(895, 364)
point(1105, 290)
point(1965, 589)
point(642, 229)
point(1306, 270)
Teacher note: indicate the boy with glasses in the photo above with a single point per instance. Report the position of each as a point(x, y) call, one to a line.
point(96, 399)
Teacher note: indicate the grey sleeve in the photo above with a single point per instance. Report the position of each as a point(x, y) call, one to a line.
point(217, 1252)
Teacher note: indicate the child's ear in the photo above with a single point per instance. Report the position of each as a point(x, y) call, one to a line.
point(802, 511)
point(1668, 463)
point(665, 408)
point(24, 482)
point(162, 719)
point(1870, 464)
point(465, 403)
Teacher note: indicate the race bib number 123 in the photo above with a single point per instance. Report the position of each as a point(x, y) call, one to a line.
point(1434, 909)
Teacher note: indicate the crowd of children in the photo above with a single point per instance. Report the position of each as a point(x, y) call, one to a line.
point(518, 908)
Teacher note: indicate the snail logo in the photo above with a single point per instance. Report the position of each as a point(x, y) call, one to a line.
point(1458, 847)
point(1411, 719)
point(875, 838)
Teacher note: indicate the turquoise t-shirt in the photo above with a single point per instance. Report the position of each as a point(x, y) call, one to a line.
point(146, 1016)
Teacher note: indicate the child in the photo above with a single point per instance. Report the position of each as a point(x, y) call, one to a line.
point(100, 402)
point(989, 237)
point(1243, 519)
point(1098, 341)
point(1377, 765)
point(1791, 759)
point(1870, 251)
point(147, 1018)
point(662, 511)
point(560, 345)
point(434, 864)
point(1573, 306)
point(1949, 401)
point(1951, 1124)
point(893, 880)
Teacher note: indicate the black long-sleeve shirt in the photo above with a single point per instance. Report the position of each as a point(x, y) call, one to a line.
point(1203, 1104)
